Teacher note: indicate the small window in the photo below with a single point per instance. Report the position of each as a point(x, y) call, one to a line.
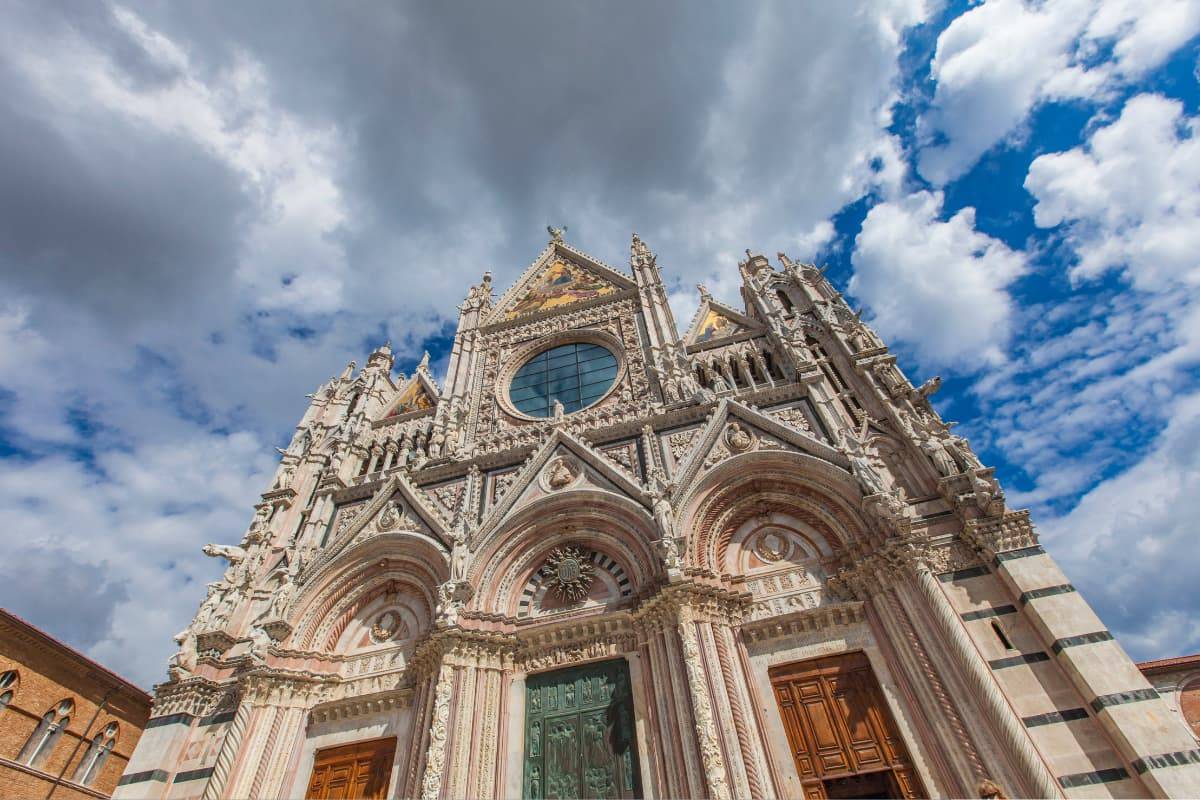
point(97, 753)
point(8, 687)
point(41, 743)
point(1000, 635)
point(786, 302)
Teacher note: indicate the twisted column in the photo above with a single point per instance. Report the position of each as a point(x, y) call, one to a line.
point(1003, 719)
point(228, 752)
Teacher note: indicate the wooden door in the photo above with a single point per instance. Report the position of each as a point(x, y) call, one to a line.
point(579, 735)
point(842, 736)
point(352, 772)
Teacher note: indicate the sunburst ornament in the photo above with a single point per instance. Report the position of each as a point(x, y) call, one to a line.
point(571, 573)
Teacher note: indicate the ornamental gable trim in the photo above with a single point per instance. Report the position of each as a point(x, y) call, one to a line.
point(581, 465)
point(526, 299)
point(416, 396)
point(398, 483)
point(719, 440)
point(714, 322)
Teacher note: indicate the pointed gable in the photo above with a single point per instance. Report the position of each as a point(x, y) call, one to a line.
point(562, 463)
point(715, 321)
point(561, 276)
point(418, 394)
point(734, 429)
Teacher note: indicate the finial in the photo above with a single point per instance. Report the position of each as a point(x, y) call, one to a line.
point(556, 234)
point(424, 361)
point(704, 295)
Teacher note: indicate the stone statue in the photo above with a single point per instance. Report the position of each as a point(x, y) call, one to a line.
point(282, 598)
point(861, 464)
point(929, 387)
point(737, 438)
point(207, 608)
point(260, 644)
point(960, 449)
point(560, 474)
point(715, 380)
point(183, 663)
point(285, 476)
point(664, 514)
point(460, 557)
point(933, 447)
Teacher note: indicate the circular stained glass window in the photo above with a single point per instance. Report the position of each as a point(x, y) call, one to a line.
point(575, 375)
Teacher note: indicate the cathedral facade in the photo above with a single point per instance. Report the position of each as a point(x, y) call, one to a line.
point(604, 560)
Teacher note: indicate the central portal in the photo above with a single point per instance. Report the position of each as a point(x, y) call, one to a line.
point(579, 736)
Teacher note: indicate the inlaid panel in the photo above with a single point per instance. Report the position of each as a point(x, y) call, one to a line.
point(352, 772)
point(579, 734)
point(843, 739)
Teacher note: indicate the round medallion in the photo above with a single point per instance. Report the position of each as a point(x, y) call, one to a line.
point(385, 627)
point(771, 546)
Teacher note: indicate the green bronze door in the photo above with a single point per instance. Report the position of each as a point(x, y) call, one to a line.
point(579, 739)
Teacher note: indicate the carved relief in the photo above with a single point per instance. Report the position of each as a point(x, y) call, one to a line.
point(559, 473)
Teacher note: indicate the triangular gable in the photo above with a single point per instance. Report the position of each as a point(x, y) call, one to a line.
point(418, 394)
point(715, 321)
point(718, 441)
point(597, 471)
point(429, 520)
point(559, 277)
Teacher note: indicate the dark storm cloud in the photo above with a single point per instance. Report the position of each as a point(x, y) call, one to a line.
point(102, 214)
point(523, 112)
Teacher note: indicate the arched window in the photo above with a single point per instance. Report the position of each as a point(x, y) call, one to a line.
point(47, 733)
point(786, 302)
point(8, 687)
point(97, 753)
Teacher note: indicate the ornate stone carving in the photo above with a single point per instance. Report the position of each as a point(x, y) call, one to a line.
point(559, 473)
point(435, 759)
point(706, 730)
point(571, 573)
point(738, 438)
point(385, 626)
point(794, 417)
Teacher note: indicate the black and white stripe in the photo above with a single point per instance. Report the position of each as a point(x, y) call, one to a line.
point(599, 560)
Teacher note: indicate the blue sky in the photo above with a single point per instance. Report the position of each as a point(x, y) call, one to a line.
point(209, 210)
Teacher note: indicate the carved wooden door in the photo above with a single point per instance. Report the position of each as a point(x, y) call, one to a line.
point(843, 739)
point(579, 735)
point(352, 772)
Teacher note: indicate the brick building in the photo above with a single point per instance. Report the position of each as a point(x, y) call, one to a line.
point(67, 724)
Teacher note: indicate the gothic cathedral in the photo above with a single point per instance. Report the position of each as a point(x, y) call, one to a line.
point(602, 560)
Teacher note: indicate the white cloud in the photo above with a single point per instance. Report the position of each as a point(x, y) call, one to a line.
point(1130, 543)
point(287, 163)
point(1000, 59)
point(130, 528)
point(940, 286)
point(1129, 197)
